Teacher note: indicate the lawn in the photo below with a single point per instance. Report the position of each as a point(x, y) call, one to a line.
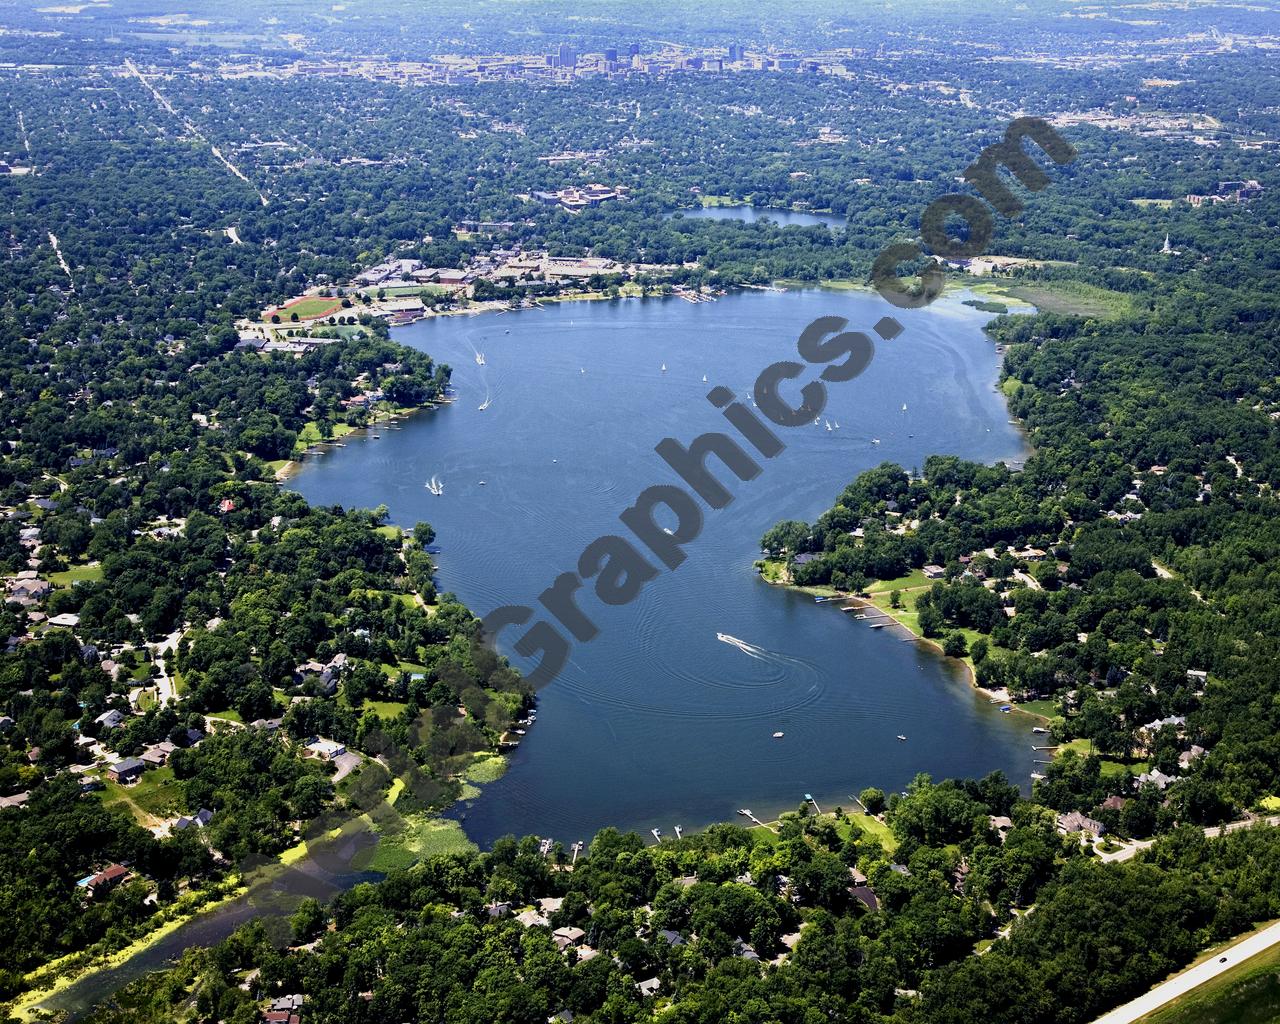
point(310, 434)
point(1043, 708)
point(1249, 993)
point(80, 574)
point(876, 829)
point(153, 797)
point(384, 708)
point(915, 578)
point(230, 715)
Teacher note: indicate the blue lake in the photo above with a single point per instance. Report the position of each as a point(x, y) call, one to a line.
point(656, 722)
point(751, 214)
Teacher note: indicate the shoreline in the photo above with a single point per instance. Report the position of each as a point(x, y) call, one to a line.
point(843, 600)
point(26, 1004)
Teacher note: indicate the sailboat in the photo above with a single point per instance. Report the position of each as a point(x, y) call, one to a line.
point(904, 406)
point(664, 367)
point(704, 378)
point(837, 424)
point(828, 422)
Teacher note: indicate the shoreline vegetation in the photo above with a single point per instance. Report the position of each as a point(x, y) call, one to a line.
point(773, 572)
point(58, 975)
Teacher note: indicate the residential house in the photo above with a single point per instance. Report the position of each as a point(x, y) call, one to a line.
point(568, 936)
point(1076, 822)
point(110, 719)
point(1189, 757)
point(934, 572)
point(1156, 778)
point(1001, 824)
point(126, 771)
point(105, 880)
point(157, 754)
point(325, 749)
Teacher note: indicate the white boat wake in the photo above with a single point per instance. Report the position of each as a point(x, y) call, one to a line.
point(744, 647)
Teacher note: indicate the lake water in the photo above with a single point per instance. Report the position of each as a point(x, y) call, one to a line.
point(656, 722)
point(750, 214)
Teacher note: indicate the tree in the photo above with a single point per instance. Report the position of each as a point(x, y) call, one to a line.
point(872, 799)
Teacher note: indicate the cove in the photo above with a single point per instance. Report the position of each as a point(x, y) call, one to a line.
point(656, 722)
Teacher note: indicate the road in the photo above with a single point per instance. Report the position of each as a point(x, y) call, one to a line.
point(1183, 983)
point(1129, 850)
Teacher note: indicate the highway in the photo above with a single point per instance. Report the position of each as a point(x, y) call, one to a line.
point(1190, 979)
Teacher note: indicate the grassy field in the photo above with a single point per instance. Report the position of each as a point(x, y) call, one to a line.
point(152, 798)
point(1072, 298)
point(384, 708)
point(310, 307)
point(79, 574)
point(915, 578)
point(1249, 993)
point(310, 434)
point(872, 826)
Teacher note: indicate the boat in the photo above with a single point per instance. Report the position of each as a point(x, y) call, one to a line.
point(657, 834)
point(1039, 729)
point(778, 735)
point(484, 405)
point(828, 422)
point(481, 483)
point(435, 485)
point(904, 406)
point(704, 378)
point(1037, 776)
point(837, 422)
point(1006, 708)
point(375, 436)
point(902, 738)
point(480, 359)
point(664, 367)
point(875, 440)
point(583, 371)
